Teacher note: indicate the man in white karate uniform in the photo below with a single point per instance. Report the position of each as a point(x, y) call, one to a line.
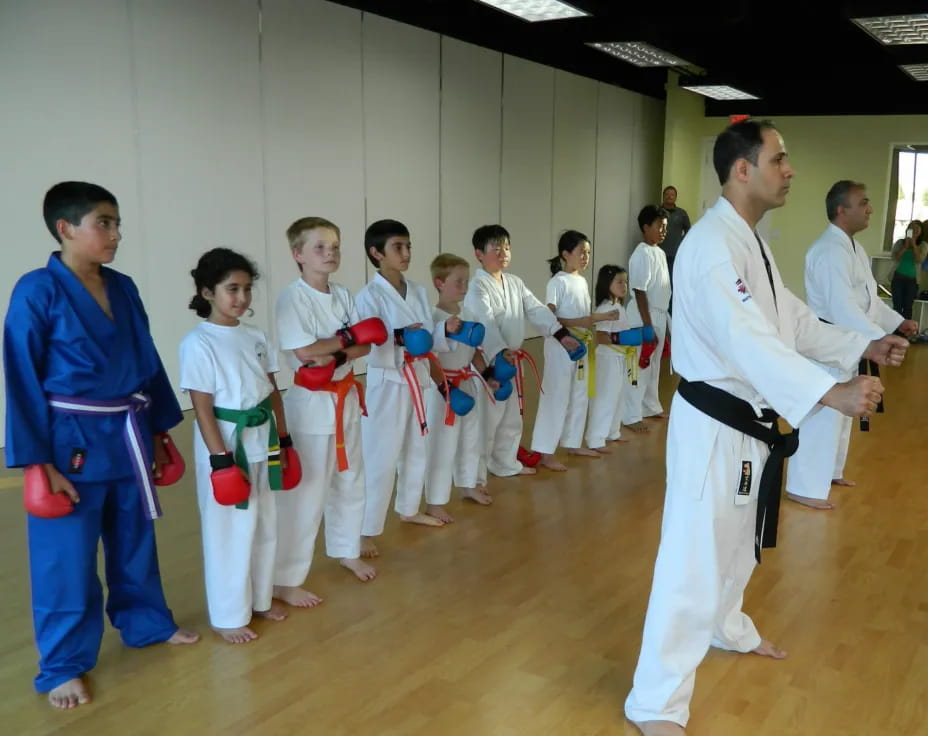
point(742, 344)
point(840, 289)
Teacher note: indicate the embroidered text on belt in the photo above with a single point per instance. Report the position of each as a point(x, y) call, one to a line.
point(521, 355)
point(454, 379)
point(256, 417)
point(415, 390)
point(138, 455)
point(740, 415)
point(630, 353)
point(341, 388)
point(588, 338)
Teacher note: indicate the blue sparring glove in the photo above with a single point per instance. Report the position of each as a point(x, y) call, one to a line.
point(504, 391)
point(502, 370)
point(626, 337)
point(460, 401)
point(471, 333)
point(576, 354)
point(417, 342)
point(647, 334)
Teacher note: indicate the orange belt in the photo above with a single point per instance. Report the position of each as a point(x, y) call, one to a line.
point(341, 389)
point(409, 373)
point(520, 356)
point(455, 378)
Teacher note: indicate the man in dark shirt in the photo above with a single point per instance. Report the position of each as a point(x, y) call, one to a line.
point(678, 225)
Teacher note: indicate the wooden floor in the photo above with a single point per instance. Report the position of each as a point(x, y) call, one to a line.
point(525, 618)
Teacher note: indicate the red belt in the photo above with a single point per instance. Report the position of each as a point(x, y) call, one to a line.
point(341, 389)
point(521, 355)
point(409, 373)
point(455, 378)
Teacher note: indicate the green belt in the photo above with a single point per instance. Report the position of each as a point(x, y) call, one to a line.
point(256, 417)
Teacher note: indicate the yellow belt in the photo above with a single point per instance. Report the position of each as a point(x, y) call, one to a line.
point(631, 361)
point(588, 338)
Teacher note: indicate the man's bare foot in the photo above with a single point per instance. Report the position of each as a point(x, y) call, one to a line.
point(479, 495)
point(813, 503)
point(368, 549)
point(526, 470)
point(69, 694)
point(619, 441)
point(659, 728)
point(661, 415)
point(602, 450)
point(423, 519)
point(274, 613)
point(769, 649)
point(551, 463)
point(241, 635)
point(584, 452)
point(183, 636)
point(439, 512)
point(297, 597)
point(361, 569)
point(639, 427)
point(843, 482)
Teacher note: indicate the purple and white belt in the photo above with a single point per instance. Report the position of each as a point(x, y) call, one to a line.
point(130, 406)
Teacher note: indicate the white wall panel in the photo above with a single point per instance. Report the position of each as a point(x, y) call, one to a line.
point(401, 132)
point(199, 141)
point(647, 160)
point(471, 138)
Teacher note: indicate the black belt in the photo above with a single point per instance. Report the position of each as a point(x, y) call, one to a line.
point(865, 368)
point(739, 415)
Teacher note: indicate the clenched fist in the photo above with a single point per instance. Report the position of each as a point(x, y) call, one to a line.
point(858, 397)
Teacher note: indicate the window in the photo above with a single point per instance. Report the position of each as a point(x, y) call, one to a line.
point(911, 196)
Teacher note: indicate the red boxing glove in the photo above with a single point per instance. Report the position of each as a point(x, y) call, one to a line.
point(666, 353)
point(230, 487)
point(529, 458)
point(366, 332)
point(38, 498)
point(647, 350)
point(293, 473)
point(315, 377)
point(173, 470)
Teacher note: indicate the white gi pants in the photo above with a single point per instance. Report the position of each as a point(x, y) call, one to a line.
point(238, 547)
point(643, 399)
point(563, 401)
point(323, 489)
point(454, 452)
point(502, 432)
point(605, 420)
point(394, 451)
point(704, 562)
point(822, 449)
point(844, 442)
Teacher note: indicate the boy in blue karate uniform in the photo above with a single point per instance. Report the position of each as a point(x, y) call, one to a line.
point(86, 396)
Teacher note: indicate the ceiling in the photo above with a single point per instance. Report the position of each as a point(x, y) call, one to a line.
point(800, 58)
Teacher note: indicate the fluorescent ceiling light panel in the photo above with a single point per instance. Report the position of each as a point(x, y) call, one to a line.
point(896, 30)
point(639, 54)
point(536, 10)
point(918, 72)
point(720, 92)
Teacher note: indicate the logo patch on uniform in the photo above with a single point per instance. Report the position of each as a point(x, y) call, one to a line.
point(744, 487)
point(742, 290)
point(78, 456)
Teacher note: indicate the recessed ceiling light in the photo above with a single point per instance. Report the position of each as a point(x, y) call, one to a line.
point(639, 54)
point(918, 72)
point(896, 30)
point(536, 10)
point(719, 92)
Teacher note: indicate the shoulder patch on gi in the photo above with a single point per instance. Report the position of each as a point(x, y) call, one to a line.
point(742, 290)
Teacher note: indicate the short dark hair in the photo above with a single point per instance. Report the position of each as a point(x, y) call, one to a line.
point(838, 196)
point(70, 201)
point(669, 186)
point(377, 235)
point(604, 281)
point(568, 242)
point(649, 213)
point(740, 140)
point(486, 234)
point(212, 269)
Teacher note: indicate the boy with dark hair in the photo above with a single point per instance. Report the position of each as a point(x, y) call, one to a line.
point(87, 403)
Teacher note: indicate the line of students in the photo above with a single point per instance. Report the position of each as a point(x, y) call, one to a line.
point(443, 407)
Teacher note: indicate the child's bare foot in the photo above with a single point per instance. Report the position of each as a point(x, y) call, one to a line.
point(769, 649)
point(584, 452)
point(601, 450)
point(843, 482)
point(69, 694)
point(659, 728)
point(640, 428)
point(439, 513)
point(361, 569)
point(479, 495)
point(661, 415)
point(549, 462)
point(368, 548)
point(241, 635)
point(619, 441)
point(274, 613)
point(813, 503)
point(184, 636)
point(526, 470)
point(423, 519)
point(297, 597)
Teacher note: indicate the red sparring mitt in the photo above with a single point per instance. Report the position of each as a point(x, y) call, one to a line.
point(366, 332)
point(529, 458)
point(230, 487)
point(316, 377)
point(666, 353)
point(293, 473)
point(173, 470)
point(38, 498)
point(647, 350)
